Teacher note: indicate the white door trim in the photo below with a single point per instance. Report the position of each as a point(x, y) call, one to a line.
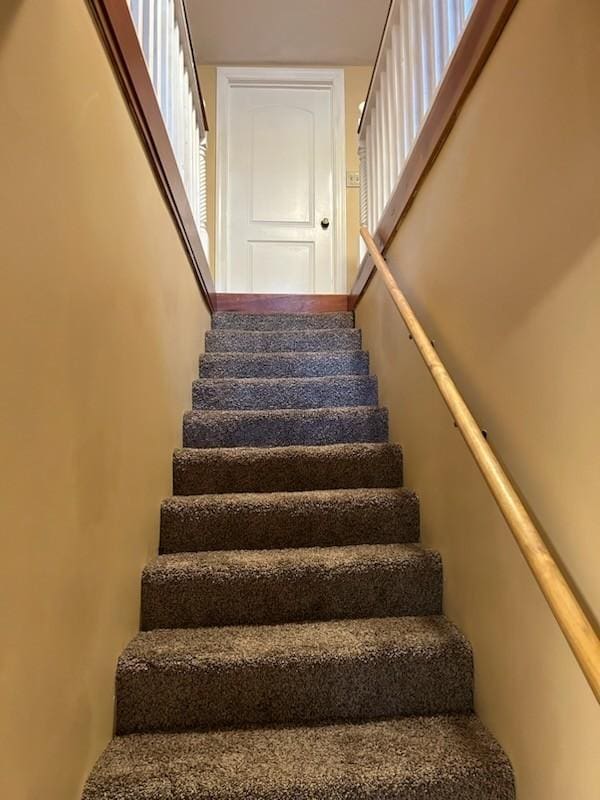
point(330, 79)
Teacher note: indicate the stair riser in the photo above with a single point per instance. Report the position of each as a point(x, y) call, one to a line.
point(187, 696)
point(410, 758)
point(234, 395)
point(227, 525)
point(286, 469)
point(278, 322)
point(277, 430)
point(281, 341)
point(188, 601)
point(283, 365)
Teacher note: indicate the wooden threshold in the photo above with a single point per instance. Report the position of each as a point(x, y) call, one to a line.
point(114, 22)
point(281, 303)
point(483, 30)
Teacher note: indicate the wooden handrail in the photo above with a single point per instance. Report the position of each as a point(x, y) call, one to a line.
point(572, 619)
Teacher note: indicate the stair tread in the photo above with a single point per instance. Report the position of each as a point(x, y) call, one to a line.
point(284, 413)
point(421, 758)
point(311, 380)
point(254, 520)
point(231, 320)
point(284, 363)
point(317, 671)
point(325, 451)
point(292, 500)
point(310, 332)
point(286, 468)
point(328, 452)
point(227, 564)
point(281, 427)
point(215, 355)
point(290, 340)
point(277, 393)
point(251, 587)
point(330, 640)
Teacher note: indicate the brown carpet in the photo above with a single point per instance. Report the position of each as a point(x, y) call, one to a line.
point(261, 587)
point(293, 646)
point(410, 758)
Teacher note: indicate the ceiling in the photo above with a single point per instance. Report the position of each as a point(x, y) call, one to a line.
point(323, 32)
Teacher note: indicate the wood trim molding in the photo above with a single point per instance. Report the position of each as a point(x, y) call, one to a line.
point(115, 24)
point(282, 303)
point(483, 30)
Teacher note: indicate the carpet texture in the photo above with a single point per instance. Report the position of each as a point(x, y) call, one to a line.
point(298, 672)
point(242, 587)
point(238, 341)
point(281, 427)
point(410, 758)
point(247, 521)
point(292, 643)
point(283, 365)
point(286, 469)
point(281, 322)
point(226, 394)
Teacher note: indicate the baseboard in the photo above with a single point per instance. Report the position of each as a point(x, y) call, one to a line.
point(281, 303)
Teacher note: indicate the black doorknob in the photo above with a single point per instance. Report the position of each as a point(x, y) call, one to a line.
point(324, 223)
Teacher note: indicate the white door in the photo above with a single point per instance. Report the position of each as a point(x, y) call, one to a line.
point(281, 219)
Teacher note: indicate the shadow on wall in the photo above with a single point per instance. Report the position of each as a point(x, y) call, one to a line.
point(8, 10)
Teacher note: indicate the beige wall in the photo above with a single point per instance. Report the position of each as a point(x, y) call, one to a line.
point(356, 80)
point(100, 326)
point(500, 256)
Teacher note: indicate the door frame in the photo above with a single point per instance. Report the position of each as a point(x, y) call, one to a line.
point(331, 80)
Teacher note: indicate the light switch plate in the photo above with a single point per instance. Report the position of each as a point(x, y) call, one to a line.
point(352, 180)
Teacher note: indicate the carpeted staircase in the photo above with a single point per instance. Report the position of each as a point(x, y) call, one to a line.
point(293, 643)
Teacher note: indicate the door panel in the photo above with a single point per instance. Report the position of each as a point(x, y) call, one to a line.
point(266, 260)
point(279, 188)
point(282, 165)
